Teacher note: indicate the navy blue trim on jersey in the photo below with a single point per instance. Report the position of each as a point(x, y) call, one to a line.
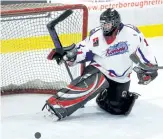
point(113, 72)
point(93, 31)
point(133, 27)
point(80, 45)
point(142, 55)
point(140, 39)
point(121, 27)
point(89, 56)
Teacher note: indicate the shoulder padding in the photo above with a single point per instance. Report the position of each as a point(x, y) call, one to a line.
point(132, 27)
point(94, 30)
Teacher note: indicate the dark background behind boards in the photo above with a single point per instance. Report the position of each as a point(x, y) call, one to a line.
point(4, 2)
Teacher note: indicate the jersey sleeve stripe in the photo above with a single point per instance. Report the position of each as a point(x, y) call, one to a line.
point(142, 55)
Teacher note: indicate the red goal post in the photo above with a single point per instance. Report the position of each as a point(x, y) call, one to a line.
point(25, 44)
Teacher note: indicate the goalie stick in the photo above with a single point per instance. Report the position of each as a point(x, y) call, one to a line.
point(52, 31)
point(137, 61)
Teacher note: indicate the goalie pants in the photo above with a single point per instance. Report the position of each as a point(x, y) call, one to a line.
point(117, 99)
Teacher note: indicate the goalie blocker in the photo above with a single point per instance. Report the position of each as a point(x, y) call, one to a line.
point(113, 97)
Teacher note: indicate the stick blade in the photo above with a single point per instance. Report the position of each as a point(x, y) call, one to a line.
point(62, 17)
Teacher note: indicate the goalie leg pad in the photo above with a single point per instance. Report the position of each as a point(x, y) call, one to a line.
point(78, 92)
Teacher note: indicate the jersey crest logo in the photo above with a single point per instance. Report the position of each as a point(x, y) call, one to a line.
point(117, 49)
point(95, 42)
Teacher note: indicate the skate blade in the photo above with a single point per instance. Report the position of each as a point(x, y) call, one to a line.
point(50, 116)
point(52, 112)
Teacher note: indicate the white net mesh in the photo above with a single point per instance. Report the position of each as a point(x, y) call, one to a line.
point(26, 44)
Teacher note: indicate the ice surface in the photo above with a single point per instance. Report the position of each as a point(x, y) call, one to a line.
point(21, 116)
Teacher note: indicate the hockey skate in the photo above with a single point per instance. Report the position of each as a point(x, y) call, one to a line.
point(56, 113)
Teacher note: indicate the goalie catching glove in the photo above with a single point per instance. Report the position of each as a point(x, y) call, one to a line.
point(68, 53)
point(145, 76)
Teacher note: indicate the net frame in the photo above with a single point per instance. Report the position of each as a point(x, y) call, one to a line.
point(11, 11)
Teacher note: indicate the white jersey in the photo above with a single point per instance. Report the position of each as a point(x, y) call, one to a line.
point(113, 59)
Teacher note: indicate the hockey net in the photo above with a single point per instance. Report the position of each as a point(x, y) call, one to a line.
point(26, 43)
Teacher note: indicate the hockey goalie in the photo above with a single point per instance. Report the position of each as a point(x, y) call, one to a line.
point(107, 77)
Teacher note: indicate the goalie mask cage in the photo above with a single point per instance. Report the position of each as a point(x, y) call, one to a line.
point(26, 43)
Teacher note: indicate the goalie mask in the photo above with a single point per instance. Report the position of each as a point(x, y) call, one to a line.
point(109, 21)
